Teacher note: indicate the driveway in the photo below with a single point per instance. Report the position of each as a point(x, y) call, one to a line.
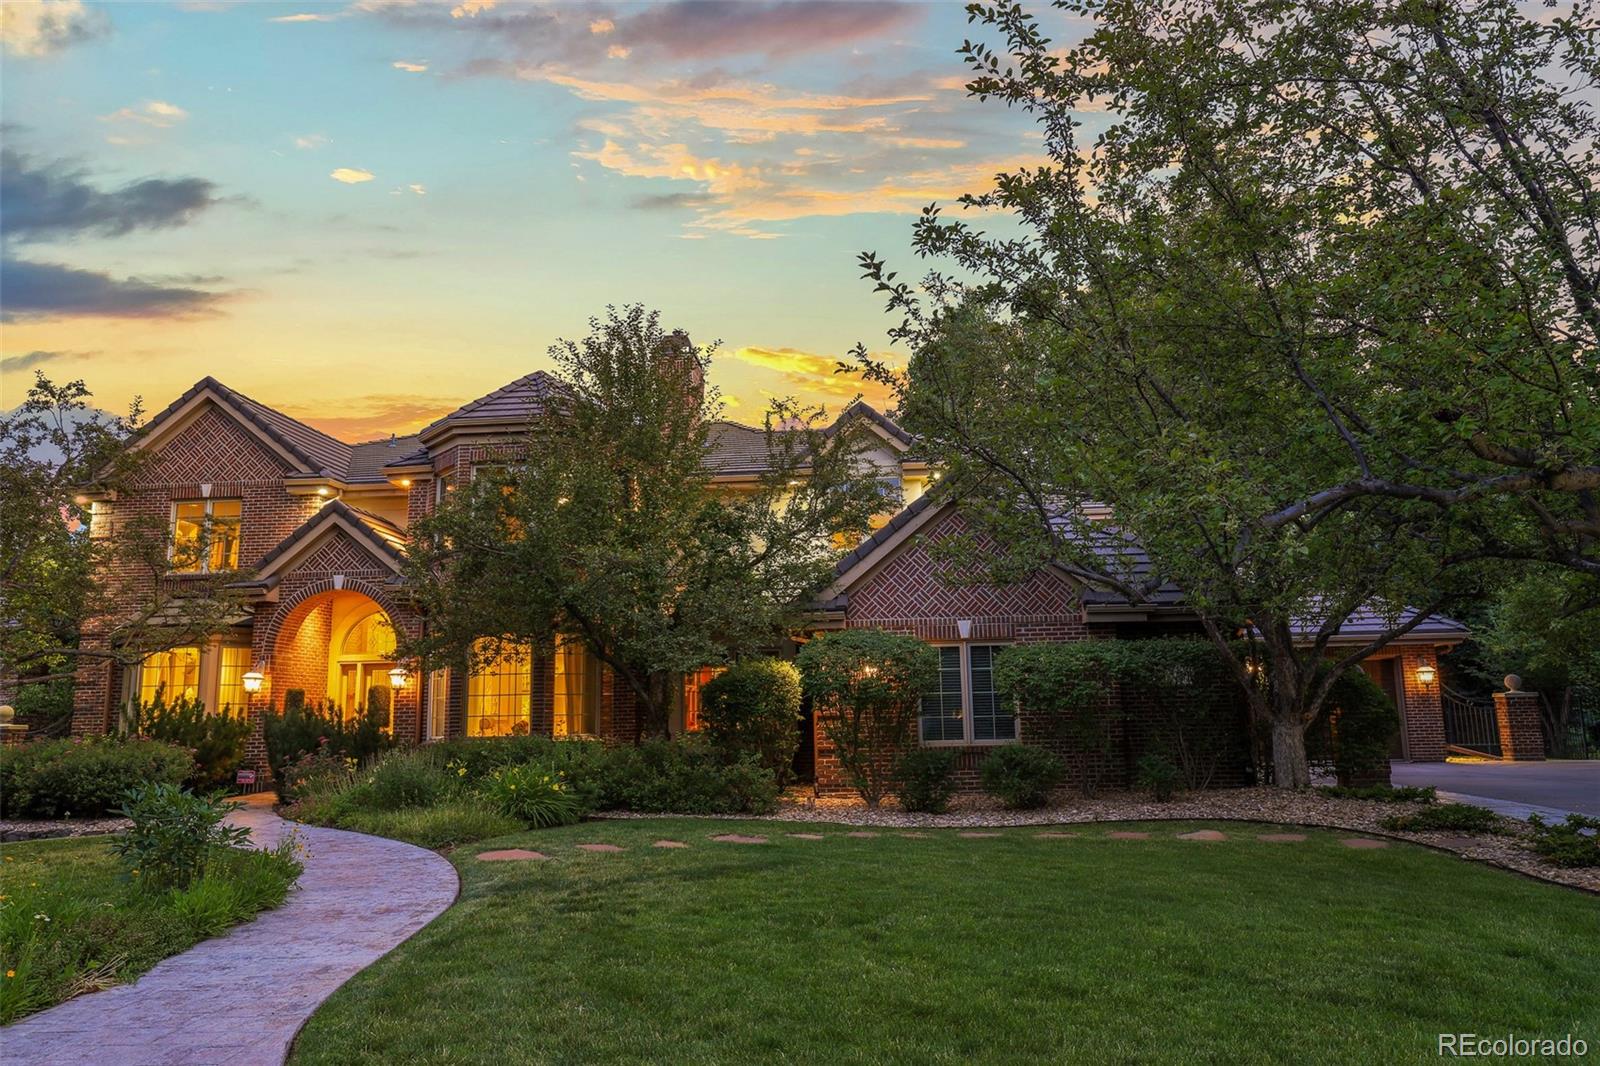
point(1558, 785)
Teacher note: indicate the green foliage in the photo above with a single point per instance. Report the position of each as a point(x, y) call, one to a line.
point(1158, 775)
point(683, 776)
point(217, 740)
point(1019, 776)
point(403, 779)
point(1067, 686)
point(174, 833)
point(445, 825)
point(1364, 721)
point(581, 763)
point(866, 685)
point(1382, 793)
point(47, 701)
point(1457, 817)
point(926, 779)
point(301, 729)
point(621, 537)
point(531, 794)
point(754, 707)
point(1573, 842)
point(83, 777)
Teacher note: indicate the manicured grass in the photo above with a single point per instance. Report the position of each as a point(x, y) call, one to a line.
point(71, 922)
point(946, 949)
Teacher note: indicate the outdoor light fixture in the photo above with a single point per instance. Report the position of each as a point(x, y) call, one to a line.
point(253, 680)
point(322, 490)
point(1426, 674)
point(397, 677)
point(964, 628)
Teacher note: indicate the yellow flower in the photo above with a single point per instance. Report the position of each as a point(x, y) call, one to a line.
point(135, 873)
point(11, 973)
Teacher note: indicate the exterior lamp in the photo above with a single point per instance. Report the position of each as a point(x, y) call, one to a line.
point(1426, 674)
point(323, 490)
point(397, 677)
point(253, 680)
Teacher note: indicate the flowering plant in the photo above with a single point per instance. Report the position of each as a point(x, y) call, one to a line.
point(535, 794)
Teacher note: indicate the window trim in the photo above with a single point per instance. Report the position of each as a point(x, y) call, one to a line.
point(968, 739)
point(208, 503)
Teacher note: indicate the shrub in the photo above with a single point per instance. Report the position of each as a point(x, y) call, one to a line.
point(1574, 842)
point(1459, 817)
point(581, 763)
point(1382, 793)
point(1021, 777)
point(44, 702)
point(927, 779)
point(1158, 775)
point(83, 777)
point(1363, 722)
point(217, 740)
point(174, 833)
point(867, 685)
point(533, 795)
point(302, 728)
point(753, 707)
point(684, 776)
point(316, 777)
point(443, 826)
point(403, 779)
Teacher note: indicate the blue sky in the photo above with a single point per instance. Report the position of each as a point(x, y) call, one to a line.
point(367, 213)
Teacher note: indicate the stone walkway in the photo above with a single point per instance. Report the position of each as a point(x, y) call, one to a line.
point(239, 999)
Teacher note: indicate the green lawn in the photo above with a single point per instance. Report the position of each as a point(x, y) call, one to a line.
point(947, 949)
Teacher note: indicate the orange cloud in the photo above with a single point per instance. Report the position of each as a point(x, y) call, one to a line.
point(812, 375)
point(373, 417)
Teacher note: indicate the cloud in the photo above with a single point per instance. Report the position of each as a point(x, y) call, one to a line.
point(44, 27)
point(302, 17)
point(351, 175)
point(672, 201)
point(601, 27)
point(13, 364)
point(54, 200)
point(308, 141)
point(813, 374)
point(410, 68)
point(50, 290)
point(373, 417)
point(154, 113)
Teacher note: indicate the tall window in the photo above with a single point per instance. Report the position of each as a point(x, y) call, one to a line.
point(693, 682)
point(965, 709)
point(438, 704)
point(205, 536)
point(172, 674)
point(232, 662)
point(500, 696)
point(577, 690)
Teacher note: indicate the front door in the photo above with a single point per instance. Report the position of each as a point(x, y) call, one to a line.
point(356, 679)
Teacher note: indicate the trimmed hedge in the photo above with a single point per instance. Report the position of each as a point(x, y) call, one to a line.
point(84, 777)
point(753, 707)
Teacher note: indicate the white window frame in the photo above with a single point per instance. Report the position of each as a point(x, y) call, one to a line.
point(968, 740)
point(208, 682)
point(205, 556)
point(438, 703)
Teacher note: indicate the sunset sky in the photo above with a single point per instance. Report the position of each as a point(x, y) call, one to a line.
point(367, 213)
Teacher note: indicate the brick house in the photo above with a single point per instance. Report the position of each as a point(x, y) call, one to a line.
point(316, 529)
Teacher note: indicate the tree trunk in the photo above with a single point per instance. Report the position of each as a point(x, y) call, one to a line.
point(1289, 766)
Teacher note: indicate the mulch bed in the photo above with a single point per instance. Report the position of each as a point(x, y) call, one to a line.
point(13, 831)
point(1508, 848)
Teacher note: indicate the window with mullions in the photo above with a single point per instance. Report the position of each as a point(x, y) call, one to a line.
point(500, 696)
point(964, 708)
point(577, 690)
point(205, 536)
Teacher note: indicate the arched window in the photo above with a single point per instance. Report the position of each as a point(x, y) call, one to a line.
point(372, 636)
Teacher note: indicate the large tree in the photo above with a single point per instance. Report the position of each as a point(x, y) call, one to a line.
point(1314, 314)
point(604, 524)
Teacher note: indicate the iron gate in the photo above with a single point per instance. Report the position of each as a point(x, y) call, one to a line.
point(1470, 724)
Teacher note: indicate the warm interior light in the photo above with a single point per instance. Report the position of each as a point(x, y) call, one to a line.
point(397, 677)
point(253, 680)
point(1426, 674)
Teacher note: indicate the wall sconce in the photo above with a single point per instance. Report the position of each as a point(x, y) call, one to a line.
point(1426, 674)
point(323, 490)
point(964, 628)
point(253, 680)
point(397, 677)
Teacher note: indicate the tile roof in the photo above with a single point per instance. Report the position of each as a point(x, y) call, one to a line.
point(391, 540)
point(368, 460)
point(315, 451)
point(735, 448)
point(525, 398)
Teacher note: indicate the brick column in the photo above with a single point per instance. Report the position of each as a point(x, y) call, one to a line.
point(1521, 736)
point(1422, 707)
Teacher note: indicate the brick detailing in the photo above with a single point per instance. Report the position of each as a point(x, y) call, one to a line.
point(214, 447)
point(1521, 734)
point(1422, 709)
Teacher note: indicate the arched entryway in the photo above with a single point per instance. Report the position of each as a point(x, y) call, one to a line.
point(338, 647)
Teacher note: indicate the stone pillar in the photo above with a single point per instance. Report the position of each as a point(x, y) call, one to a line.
point(1517, 714)
point(1421, 705)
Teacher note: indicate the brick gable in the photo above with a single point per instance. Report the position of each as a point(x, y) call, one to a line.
point(214, 447)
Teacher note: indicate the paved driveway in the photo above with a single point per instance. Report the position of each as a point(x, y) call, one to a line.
point(1560, 784)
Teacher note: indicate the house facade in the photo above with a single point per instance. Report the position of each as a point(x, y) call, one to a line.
point(315, 529)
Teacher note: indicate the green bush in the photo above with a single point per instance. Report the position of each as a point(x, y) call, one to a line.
point(1021, 777)
point(753, 707)
point(1382, 793)
point(683, 776)
point(1361, 720)
point(1158, 775)
point(1574, 842)
point(174, 834)
point(867, 687)
point(45, 702)
point(217, 740)
point(302, 728)
point(1457, 817)
point(531, 794)
point(927, 779)
point(404, 779)
point(83, 777)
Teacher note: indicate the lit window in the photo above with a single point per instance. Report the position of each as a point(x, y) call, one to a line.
point(234, 660)
point(500, 696)
point(692, 684)
point(170, 675)
point(577, 690)
point(438, 703)
point(372, 635)
point(965, 708)
point(205, 536)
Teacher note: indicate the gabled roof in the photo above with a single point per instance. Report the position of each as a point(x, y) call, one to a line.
point(380, 536)
point(863, 409)
point(368, 460)
point(314, 452)
point(733, 448)
point(523, 399)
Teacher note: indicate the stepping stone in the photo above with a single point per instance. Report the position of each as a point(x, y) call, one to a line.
point(1120, 835)
point(599, 847)
point(808, 836)
point(915, 836)
point(509, 855)
point(1057, 836)
point(739, 838)
point(669, 844)
point(1203, 834)
point(977, 836)
point(1363, 843)
point(1282, 838)
point(863, 835)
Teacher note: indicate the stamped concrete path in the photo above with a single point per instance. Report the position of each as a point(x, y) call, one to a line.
point(239, 999)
